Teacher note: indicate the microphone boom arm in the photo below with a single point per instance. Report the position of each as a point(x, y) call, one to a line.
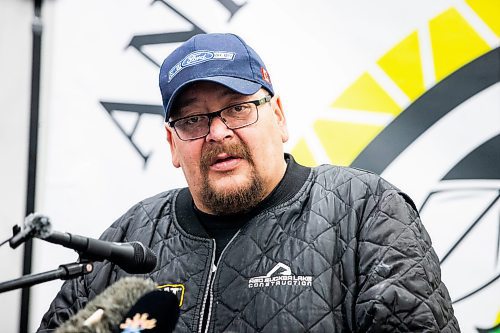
point(64, 272)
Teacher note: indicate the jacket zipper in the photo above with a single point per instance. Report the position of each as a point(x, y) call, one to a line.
point(207, 291)
point(210, 284)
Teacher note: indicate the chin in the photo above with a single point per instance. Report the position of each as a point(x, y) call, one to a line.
point(230, 184)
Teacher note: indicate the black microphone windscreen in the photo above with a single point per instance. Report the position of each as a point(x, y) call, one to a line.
point(155, 312)
point(106, 310)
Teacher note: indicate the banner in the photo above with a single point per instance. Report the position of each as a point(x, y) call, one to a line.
point(409, 92)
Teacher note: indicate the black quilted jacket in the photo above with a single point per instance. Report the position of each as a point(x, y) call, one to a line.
point(346, 252)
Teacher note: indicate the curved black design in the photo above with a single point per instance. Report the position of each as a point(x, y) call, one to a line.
point(489, 330)
point(475, 291)
point(452, 91)
point(482, 163)
point(470, 228)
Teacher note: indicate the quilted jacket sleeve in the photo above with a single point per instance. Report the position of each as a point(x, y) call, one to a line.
point(399, 278)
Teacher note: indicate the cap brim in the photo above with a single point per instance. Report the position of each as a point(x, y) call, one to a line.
point(238, 85)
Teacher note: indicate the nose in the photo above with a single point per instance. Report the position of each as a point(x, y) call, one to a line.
point(218, 130)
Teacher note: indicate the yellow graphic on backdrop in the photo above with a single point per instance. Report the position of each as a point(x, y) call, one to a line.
point(403, 65)
point(306, 156)
point(454, 43)
point(366, 94)
point(489, 11)
point(354, 138)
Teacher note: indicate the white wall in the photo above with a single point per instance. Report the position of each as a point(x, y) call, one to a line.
point(15, 75)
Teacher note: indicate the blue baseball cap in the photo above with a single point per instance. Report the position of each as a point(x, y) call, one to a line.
point(221, 58)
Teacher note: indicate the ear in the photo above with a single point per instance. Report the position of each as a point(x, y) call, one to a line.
point(280, 118)
point(172, 144)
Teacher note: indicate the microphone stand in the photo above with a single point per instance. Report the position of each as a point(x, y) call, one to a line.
point(64, 272)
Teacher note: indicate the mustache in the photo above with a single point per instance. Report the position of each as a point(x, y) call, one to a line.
point(210, 152)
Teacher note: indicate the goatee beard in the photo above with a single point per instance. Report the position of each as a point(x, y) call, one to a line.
point(236, 200)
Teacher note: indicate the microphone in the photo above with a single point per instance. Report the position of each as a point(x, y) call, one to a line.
point(132, 257)
point(106, 311)
point(155, 312)
point(34, 225)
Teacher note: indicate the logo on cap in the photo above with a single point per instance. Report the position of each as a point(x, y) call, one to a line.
point(265, 75)
point(199, 57)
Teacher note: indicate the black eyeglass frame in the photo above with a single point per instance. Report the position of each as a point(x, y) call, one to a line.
point(218, 113)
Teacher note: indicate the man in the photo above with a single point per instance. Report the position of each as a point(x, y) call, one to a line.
point(258, 242)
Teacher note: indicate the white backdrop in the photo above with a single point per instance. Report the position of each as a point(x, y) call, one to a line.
point(15, 66)
point(90, 173)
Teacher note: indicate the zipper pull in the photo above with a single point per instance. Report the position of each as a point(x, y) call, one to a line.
point(214, 268)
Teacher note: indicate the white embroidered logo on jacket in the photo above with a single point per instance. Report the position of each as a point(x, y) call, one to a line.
point(280, 275)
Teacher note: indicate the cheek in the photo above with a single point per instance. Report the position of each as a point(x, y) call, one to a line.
point(269, 146)
point(189, 159)
point(264, 144)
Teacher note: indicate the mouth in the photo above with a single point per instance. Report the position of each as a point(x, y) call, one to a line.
point(224, 158)
point(224, 162)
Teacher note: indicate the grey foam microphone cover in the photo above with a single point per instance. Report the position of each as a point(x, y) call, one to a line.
point(115, 302)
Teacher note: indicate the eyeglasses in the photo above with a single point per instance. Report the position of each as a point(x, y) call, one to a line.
point(235, 116)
